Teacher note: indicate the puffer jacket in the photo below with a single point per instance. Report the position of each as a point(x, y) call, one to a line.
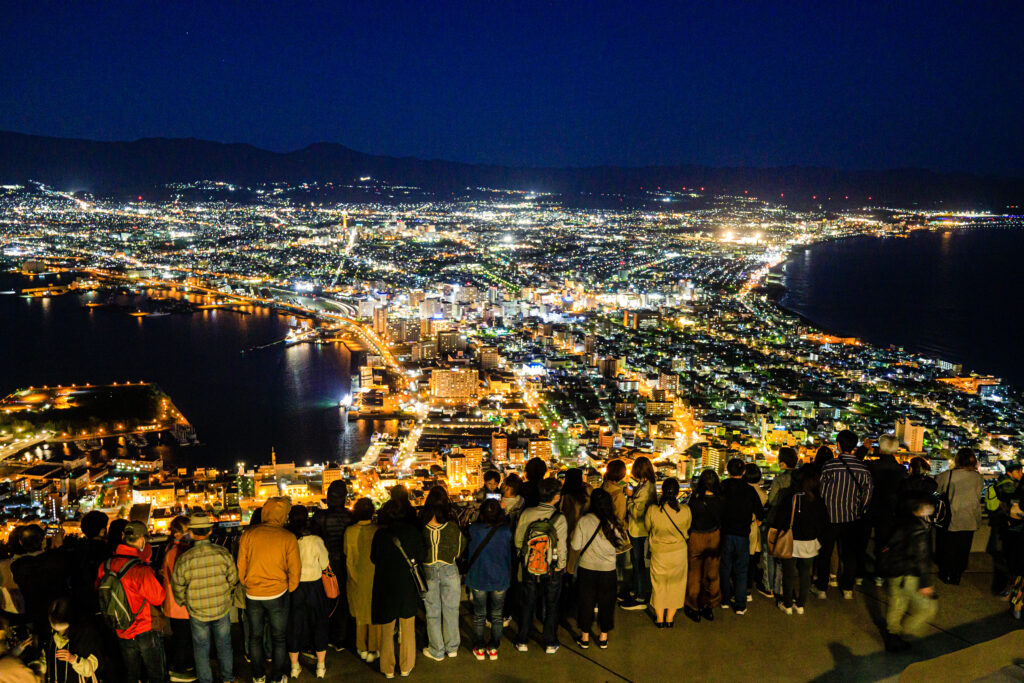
point(330, 525)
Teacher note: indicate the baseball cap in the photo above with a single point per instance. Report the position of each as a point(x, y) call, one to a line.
point(133, 531)
point(200, 521)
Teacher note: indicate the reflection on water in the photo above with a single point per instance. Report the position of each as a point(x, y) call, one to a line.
point(953, 294)
point(240, 404)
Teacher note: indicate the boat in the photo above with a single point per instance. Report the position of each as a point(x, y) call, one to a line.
point(158, 314)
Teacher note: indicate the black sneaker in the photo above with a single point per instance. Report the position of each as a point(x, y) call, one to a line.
point(692, 614)
point(632, 604)
point(708, 614)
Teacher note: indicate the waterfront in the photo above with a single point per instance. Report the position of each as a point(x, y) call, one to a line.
point(953, 295)
point(240, 404)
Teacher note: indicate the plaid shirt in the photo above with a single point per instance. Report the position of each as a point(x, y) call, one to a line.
point(204, 579)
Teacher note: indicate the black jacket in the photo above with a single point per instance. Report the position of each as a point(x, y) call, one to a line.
point(395, 595)
point(887, 475)
point(908, 552)
point(808, 520)
point(740, 504)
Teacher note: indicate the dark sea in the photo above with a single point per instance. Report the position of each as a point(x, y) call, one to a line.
point(957, 295)
point(241, 405)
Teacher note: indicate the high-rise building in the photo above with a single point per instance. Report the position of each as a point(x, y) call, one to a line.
point(669, 382)
point(449, 342)
point(380, 321)
point(499, 447)
point(540, 448)
point(458, 383)
point(490, 358)
point(910, 435)
point(331, 475)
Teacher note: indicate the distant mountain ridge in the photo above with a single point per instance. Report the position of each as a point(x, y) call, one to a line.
point(140, 165)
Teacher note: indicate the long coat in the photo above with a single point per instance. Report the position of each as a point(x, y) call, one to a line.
point(359, 569)
point(395, 595)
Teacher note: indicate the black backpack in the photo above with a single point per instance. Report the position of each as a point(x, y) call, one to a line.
point(113, 600)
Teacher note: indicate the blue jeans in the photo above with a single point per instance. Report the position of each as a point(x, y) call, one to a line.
point(772, 578)
point(481, 614)
point(535, 588)
point(145, 650)
point(276, 613)
point(221, 631)
point(735, 563)
point(444, 590)
point(641, 574)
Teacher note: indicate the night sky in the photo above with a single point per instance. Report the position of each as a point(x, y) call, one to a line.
point(869, 85)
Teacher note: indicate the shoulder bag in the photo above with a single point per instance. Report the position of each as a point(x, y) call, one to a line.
point(414, 568)
point(943, 514)
point(780, 543)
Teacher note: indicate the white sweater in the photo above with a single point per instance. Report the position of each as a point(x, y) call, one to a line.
point(313, 556)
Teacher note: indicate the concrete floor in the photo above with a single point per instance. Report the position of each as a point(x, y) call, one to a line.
point(835, 640)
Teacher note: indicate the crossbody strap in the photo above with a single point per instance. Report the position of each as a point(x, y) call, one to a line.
point(579, 557)
point(667, 515)
point(480, 548)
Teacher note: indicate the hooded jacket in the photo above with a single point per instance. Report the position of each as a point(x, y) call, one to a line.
point(141, 587)
point(268, 554)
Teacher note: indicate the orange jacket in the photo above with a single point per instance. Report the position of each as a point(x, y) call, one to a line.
point(268, 554)
point(172, 610)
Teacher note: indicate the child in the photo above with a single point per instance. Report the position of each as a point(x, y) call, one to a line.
point(906, 560)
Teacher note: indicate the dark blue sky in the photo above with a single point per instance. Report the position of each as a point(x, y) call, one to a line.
point(855, 85)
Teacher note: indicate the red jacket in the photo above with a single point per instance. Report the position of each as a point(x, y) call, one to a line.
point(143, 590)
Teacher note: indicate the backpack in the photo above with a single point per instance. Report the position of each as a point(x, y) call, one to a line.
point(992, 501)
point(540, 547)
point(113, 600)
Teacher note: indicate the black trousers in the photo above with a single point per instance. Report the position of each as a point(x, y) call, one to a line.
point(791, 589)
point(596, 588)
point(179, 650)
point(953, 548)
point(852, 545)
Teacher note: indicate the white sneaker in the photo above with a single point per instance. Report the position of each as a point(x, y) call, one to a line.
point(405, 673)
point(362, 654)
point(522, 647)
point(740, 612)
point(879, 581)
point(833, 581)
point(260, 680)
point(371, 657)
point(389, 675)
point(429, 655)
point(858, 581)
point(296, 671)
point(822, 595)
point(787, 610)
point(848, 595)
point(321, 670)
point(799, 609)
point(453, 654)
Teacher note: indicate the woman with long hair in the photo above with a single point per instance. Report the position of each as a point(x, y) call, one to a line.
point(489, 575)
point(803, 505)
point(598, 537)
point(962, 485)
point(668, 528)
point(179, 647)
point(445, 543)
point(643, 495)
point(358, 538)
point(308, 613)
point(704, 548)
point(574, 504)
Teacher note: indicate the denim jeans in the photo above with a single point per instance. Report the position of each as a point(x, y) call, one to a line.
point(444, 590)
point(145, 650)
point(220, 629)
point(534, 589)
point(276, 612)
point(641, 582)
point(735, 563)
point(481, 614)
point(772, 579)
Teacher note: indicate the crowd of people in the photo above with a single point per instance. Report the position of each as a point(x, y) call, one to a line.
point(550, 553)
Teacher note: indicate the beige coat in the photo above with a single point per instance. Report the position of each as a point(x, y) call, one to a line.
point(755, 528)
point(358, 539)
point(668, 555)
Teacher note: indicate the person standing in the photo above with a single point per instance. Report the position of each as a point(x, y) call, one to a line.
point(846, 488)
point(204, 581)
point(574, 504)
point(597, 537)
point(783, 480)
point(397, 550)
point(330, 525)
point(888, 476)
point(269, 570)
point(801, 509)
point(488, 576)
point(542, 527)
point(704, 549)
point(307, 613)
point(142, 648)
point(615, 484)
point(1004, 543)
point(642, 497)
point(740, 504)
point(668, 528)
point(906, 561)
point(755, 575)
point(445, 543)
point(359, 577)
point(180, 660)
point(962, 486)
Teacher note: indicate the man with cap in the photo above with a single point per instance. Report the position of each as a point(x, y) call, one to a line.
point(141, 646)
point(204, 580)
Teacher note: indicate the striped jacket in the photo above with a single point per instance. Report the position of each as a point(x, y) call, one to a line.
point(846, 488)
point(204, 579)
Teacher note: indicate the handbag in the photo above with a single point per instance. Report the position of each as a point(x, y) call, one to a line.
point(780, 543)
point(330, 580)
point(943, 513)
point(414, 568)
